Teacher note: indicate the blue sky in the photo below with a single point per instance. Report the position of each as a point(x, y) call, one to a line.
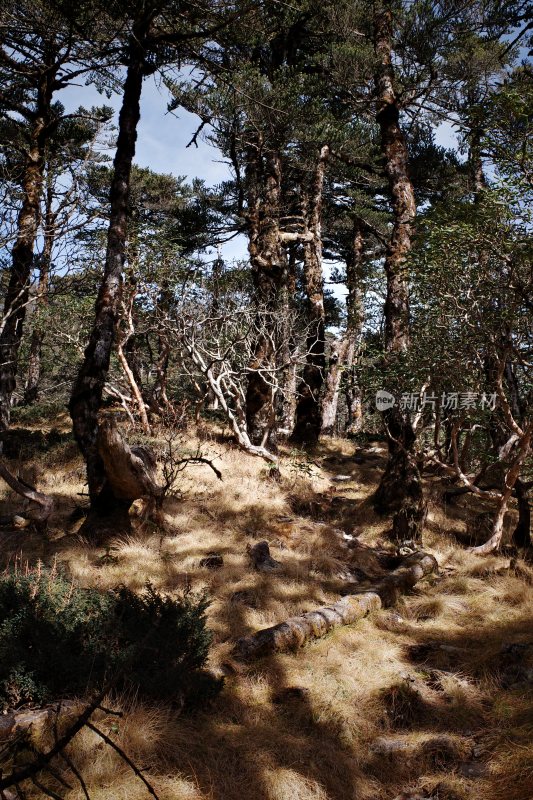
point(162, 140)
point(162, 143)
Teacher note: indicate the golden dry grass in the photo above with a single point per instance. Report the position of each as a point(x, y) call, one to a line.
point(429, 675)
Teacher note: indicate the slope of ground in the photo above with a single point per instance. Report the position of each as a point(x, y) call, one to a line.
point(433, 699)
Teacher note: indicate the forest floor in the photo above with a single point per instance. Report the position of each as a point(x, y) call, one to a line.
point(432, 699)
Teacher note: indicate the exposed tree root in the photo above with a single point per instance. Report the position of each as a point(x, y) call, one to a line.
point(40, 505)
point(297, 631)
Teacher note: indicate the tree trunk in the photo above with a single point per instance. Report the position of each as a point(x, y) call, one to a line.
point(135, 389)
point(31, 390)
point(87, 391)
point(401, 487)
point(33, 377)
point(345, 351)
point(511, 477)
point(522, 532)
point(22, 256)
point(394, 148)
point(160, 403)
point(336, 362)
point(269, 268)
point(308, 407)
point(130, 474)
point(288, 353)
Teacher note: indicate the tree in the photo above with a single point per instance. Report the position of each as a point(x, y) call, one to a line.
point(151, 33)
point(40, 55)
point(70, 153)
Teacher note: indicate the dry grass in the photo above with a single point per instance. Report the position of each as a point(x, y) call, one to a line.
point(431, 674)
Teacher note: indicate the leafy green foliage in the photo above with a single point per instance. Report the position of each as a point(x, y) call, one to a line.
point(59, 640)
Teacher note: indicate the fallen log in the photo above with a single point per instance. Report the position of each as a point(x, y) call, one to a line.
point(413, 568)
point(295, 632)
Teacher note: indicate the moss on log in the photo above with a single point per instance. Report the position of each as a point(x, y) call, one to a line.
point(297, 631)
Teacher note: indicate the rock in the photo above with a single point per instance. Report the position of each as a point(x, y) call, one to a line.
point(261, 559)
point(245, 597)
point(384, 746)
point(291, 693)
point(231, 667)
point(473, 769)
point(212, 561)
point(21, 522)
point(391, 621)
point(407, 548)
point(516, 663)
point(341, 478)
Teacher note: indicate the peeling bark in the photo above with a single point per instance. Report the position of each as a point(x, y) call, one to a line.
point(337, 361)
point(298, 631)
point(130, 471)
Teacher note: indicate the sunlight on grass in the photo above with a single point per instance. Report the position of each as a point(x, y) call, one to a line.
point(429, 674)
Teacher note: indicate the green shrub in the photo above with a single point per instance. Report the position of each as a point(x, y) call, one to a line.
point(57, 640)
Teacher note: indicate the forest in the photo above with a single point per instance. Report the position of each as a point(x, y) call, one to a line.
point(266, 400)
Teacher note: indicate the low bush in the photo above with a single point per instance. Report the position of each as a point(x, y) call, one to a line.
point(58, 640)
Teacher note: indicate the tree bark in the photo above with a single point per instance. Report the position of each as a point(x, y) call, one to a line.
point(87, 391)
point(401, 190)
point(298, 631)
point(123, 337)
point(511, 477)
point(401, 486)
point(288, 353)
point(135, 390)
point(31, 390)
point(130, 474)
point(400, 489)
point(345, 351)
point(160, 403)
point(308, 408)
point(269, 269)
point(522, 532)
point(17, 294)
point(337, 362)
